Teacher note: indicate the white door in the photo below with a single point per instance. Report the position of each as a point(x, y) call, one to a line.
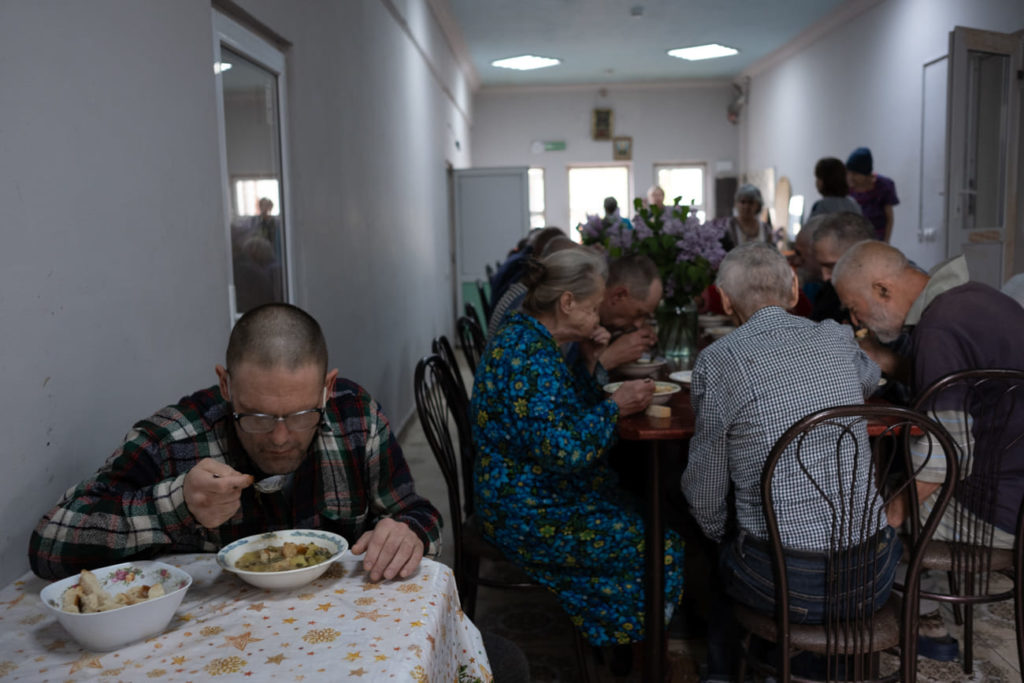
point(983, 157)
point(492, 213)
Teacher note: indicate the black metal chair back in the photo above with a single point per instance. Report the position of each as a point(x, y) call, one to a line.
point(473, 313)
point(984, 412)
point(442, 347)
point(485, 301)
point(473, 341)
point(849, 480)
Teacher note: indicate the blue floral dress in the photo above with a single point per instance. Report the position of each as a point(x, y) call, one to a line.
point(545, 492)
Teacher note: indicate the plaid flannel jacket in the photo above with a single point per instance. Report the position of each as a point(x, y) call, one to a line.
point(134, 507)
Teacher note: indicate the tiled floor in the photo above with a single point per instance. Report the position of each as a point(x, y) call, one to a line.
point(536, 624)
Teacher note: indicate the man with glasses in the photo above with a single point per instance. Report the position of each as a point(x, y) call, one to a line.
point(182, 481)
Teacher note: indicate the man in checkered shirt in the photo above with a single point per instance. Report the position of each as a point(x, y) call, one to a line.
point(747, 389)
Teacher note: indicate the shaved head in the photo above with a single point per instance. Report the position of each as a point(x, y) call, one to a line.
point(277, 336)
point(868, 260)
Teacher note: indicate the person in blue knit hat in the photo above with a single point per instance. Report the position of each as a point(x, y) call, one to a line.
point(875, 193)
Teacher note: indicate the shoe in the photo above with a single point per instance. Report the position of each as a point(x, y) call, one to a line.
point(933, 639)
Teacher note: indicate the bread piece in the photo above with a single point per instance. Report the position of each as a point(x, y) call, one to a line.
point(658, 411)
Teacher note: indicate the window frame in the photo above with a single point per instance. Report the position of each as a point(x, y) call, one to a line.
point(628, 165)
point(706, 188)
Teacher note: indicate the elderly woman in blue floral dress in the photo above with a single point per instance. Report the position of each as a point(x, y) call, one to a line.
point(542, 428)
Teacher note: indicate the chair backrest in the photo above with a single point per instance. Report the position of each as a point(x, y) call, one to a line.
point(983, 410)
point(848, 479)
point(433, 387)
point(485, 301)
point(474, 313)
point(442, 347)
point(473, 341)
point(489, 270)
point(458, 404)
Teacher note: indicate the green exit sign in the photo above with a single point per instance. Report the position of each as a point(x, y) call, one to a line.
point(554, 145)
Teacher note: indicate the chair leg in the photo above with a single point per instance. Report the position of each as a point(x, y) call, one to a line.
point(1018, 614)
point(471, 571)
point(954, 589)
point(741, 669)
point(584, 660)
point(968, 639)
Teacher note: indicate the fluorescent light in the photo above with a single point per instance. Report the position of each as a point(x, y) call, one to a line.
point(525, 62)
point(221, 67)
point(711, 51)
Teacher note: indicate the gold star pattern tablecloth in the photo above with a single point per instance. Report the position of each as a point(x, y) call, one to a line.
point(340, 627)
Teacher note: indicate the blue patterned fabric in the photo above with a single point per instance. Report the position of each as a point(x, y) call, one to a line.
point(544, 489)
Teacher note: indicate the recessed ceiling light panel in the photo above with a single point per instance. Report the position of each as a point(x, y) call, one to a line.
point(710, 51)
point(525, 62)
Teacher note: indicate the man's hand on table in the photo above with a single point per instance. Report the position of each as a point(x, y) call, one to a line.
point(213, 492)
point(392, 549)
point(634, 396)
point(628, 347)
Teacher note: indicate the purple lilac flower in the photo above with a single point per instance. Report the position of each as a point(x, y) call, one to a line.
point(592, 230)
point(642, 230)
point(619, 236)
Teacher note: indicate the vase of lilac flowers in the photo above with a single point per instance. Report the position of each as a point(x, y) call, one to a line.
point(686, 252)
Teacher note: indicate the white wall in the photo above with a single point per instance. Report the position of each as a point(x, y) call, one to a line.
point(681, 123)
point(113, 282)
point(861, 84)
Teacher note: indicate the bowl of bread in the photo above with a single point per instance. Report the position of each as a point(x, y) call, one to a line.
point(281, 560)
point(107, 608)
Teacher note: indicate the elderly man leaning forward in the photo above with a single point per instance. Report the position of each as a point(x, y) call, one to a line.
point(182, 479)
point(954, 324)
point(747, 389)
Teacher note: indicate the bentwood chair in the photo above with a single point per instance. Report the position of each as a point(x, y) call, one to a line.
point(485, 301)
point(825, 454)
point(473, 341)
point(984, 412)
point(439, 404)
point(474, 313)
point(442, 347)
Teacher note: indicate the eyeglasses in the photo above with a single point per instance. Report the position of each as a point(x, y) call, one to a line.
point(261, 423)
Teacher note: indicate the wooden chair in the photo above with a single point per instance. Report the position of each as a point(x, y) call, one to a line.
point(853, 633)
point(472, 340)
point(988, 405)
point(439, 404)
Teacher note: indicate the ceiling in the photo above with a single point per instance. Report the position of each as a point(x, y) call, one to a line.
point(601, 41)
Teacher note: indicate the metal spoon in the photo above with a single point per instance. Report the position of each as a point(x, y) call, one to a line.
point(273, 483)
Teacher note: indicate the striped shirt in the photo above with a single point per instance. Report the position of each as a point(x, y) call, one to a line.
point(134, 507)
point(747, 389)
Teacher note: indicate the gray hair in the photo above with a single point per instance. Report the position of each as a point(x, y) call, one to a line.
point(869, 257)
point(578, 270)
point(277, 335)
point(846, 228)
point(755, 275)
point(748, 191)
point(636, 271)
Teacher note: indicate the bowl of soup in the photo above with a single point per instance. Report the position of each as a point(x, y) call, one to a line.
point(282, 560)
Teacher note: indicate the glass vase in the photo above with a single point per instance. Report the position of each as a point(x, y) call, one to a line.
point(677, 333)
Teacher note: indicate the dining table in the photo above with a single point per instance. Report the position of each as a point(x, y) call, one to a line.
point(342, 626)
point(653, 435)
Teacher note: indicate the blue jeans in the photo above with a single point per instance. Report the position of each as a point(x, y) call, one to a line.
point(746, 567)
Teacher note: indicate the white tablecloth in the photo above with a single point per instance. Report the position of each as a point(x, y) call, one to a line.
point(340, 627)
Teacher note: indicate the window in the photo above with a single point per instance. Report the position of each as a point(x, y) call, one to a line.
point(588, 188)
point(535, 180)
point(249, 74)
point(686, 181)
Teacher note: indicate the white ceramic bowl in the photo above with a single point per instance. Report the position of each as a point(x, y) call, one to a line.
point(662, 391)
point(291, 578)
point(640, 369)
point(104, 631)
point(682, 376)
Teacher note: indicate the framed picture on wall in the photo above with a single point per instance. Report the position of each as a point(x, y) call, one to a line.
point(622, 148)
point(601, 124)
